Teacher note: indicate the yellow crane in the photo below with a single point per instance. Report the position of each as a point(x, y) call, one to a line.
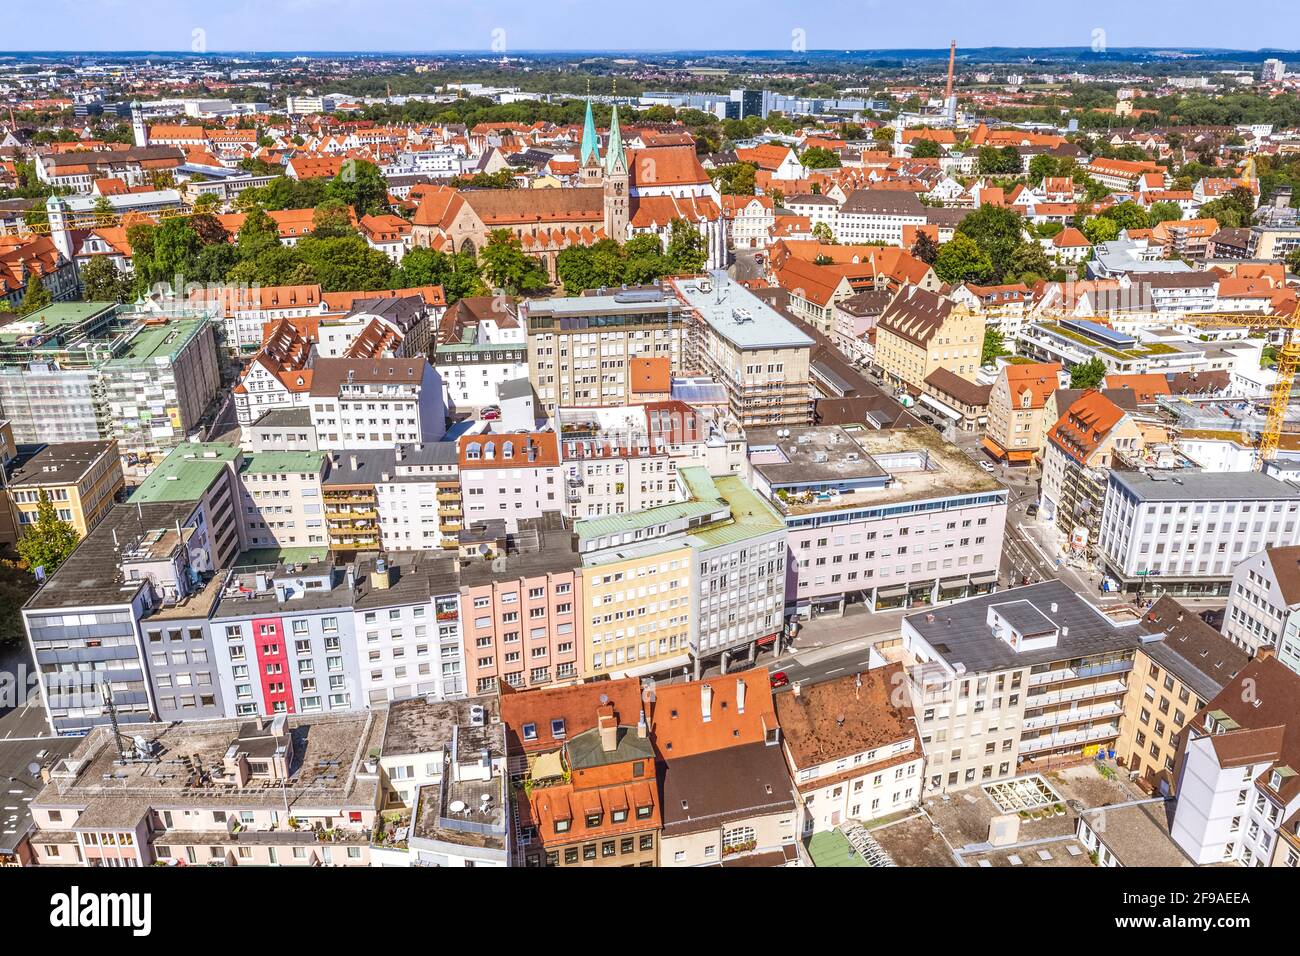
point(1288, 360)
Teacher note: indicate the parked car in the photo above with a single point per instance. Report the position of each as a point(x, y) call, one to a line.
point(1031, 509)
point(987, 466)
point(780, 679)
point(491, 413)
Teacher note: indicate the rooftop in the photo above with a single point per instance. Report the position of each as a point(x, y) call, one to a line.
point(1190, 485)
point(64, 463)
point(738, 315)
point(186, 473)
point(419, 726)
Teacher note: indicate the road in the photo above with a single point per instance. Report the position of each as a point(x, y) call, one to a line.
point(27, 719)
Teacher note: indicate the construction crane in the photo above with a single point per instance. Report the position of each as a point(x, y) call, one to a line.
point(101, 220)
point(1288, 360)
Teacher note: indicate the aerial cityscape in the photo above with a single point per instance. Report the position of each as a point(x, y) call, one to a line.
point(574, 456)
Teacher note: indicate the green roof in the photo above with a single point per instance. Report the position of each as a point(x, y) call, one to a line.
point(647, 518)
point(280, 462)
point(163, 340)
point(186, 473)
point(54, 317)
point(268, 557)
point(751, 516)
point(832, 848)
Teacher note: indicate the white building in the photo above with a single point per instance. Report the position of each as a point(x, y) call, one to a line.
point(376, 403)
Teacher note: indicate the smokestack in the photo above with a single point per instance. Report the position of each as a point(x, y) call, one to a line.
point(608, 727)
point(706, 702)
point(740, 696)
point(952, 59)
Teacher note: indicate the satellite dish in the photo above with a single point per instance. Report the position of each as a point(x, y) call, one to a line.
point(34, 768)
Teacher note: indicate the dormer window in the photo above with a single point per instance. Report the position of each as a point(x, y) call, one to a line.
point(557, 727)
point(1275, 780)
point(530, 731)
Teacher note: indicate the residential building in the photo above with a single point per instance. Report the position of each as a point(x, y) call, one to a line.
point(1016, 409)
point(81, 479)
point(1237, 790)
point(921, 331)
point(280, 500)
point(1015, 681)
point(888, 519)
point(1180, 664)
point(853, 748)
point(481, 343)
point(878, 216)
point(749, 347)
point(417, 496)
point(1262, 604)
point(375, 403)
point(510, 476)
point(1186, 532)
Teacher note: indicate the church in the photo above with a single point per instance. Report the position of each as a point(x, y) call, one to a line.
point(621, 194)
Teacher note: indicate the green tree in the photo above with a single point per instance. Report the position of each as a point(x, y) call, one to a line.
point(273, 265)
point(1028, 264)
point(458, 272)
point(1127, 215)
point(992, 161)
point(1164, 212)
point(819, 157)
point(48, 540)
point(1101, 229)
point(822, 233)
point(994, 345)
point(1088, 374)
point(103, 211)
point(207, 202)
point(332, 219)
point(362, 186)
point(961, 260)
point(37, 296)
point(257, 233)
point(736, 179)
point(345, 263)
point(102, 281)
point(508, 267)
point(1041, 167)
point(686, 253)
point(997, 231)
point(926, 149)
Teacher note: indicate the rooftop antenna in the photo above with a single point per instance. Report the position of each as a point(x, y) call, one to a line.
point(106, 693)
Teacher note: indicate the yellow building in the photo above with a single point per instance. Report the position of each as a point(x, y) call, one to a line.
point(638, 603)
point(921, 331)
point(82, 479)
point(1171, 680)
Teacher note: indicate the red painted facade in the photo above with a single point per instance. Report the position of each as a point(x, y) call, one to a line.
point(273, 664)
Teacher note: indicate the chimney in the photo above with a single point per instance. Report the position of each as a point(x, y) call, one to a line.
point(706, 702)
point(352, 461)
point(796, 687)
point(740, 696)
point(608, 727)
point(641, 728)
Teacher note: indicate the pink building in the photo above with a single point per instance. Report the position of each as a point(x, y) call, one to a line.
point(520, 607)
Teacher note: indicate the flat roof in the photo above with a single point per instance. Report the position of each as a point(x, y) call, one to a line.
point(277, 462)
point(161, 340)
point(186, 473)
point(420, 726)
point(816, 453)
point(60, 464)
point(959, 633)
point(16, 756)
point(739, 316)
point(1189, 485)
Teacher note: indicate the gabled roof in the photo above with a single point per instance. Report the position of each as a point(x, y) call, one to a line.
point(1039, 379)
point(915, 314)
point(1085, 425)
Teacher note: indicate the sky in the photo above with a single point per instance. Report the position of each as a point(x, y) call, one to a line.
point(523, 25)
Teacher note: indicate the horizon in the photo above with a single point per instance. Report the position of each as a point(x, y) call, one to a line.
point(334, 27)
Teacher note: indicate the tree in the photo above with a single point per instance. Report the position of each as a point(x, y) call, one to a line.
point(925, 248)
point(457, 272)
point(103, 211)
point(102, 281)
point(819, 157)
point(822, 233)
point(1088, 374)
point(961, 260)
point(508, 267)
point(1028, 264)
point(997, 231)
point(994, 345)
point(1041, 167)
point(926, 149)
point(362, 186)
point(37, 296)
point(345, 263)
point(48, 540)
point(207, 202)
point(258, 233)
point(1127, 215)
point(686, 253)
point(332, 219)
point(736, 179)
point(999, 162)
point(1101, 229)
point(1164, 212)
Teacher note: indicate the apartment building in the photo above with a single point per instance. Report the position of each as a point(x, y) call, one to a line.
point(481, 343)
point(1262, 604)
point(592, 794)
point(280, 499)
point(443, 767)
point(727, 795)
point(81, 479)
point(878, 216)
point(737, 580)
point(510, 476)
point(579, 348)
point(888, 519)
point(285, 642)
point(1077, 457)
point(417, 497)
point(1237, 790)
point(202, 477)
point(759, 356)
point(921, 331)
point(245, 311)
point(1185, 532)
point(265, 792)
point(1015, 681)
point(852, 747)
point(280, 429)
point(351, 500)
point(383, 326)
point(1016, 409)
point(521, 608)
point(1180, 664)
point(376, 403)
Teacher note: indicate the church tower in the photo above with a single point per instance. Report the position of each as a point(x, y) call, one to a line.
point(589, 167)
point(616, 183)
point(138, 128)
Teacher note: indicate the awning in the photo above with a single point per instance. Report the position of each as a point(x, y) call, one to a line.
point(1020, 456)
point(766, 641)
point(954, 579)
point(548, 766)
point(653, 667)
point(940, 407)
point(894, 590)
point(993, 448)
point(981, 576)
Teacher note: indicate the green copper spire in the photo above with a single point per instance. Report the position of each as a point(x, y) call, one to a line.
point(590, 141)
point(615, 161)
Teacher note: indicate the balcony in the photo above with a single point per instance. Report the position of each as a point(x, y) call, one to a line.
point(1073, 694)
point(1072, 673)
point(1069, 738)
point(1061, 718)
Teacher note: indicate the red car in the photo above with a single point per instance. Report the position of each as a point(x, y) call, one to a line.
point(779, 679)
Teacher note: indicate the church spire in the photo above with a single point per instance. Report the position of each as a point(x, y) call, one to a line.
point(590, 148)
point(615, 160)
